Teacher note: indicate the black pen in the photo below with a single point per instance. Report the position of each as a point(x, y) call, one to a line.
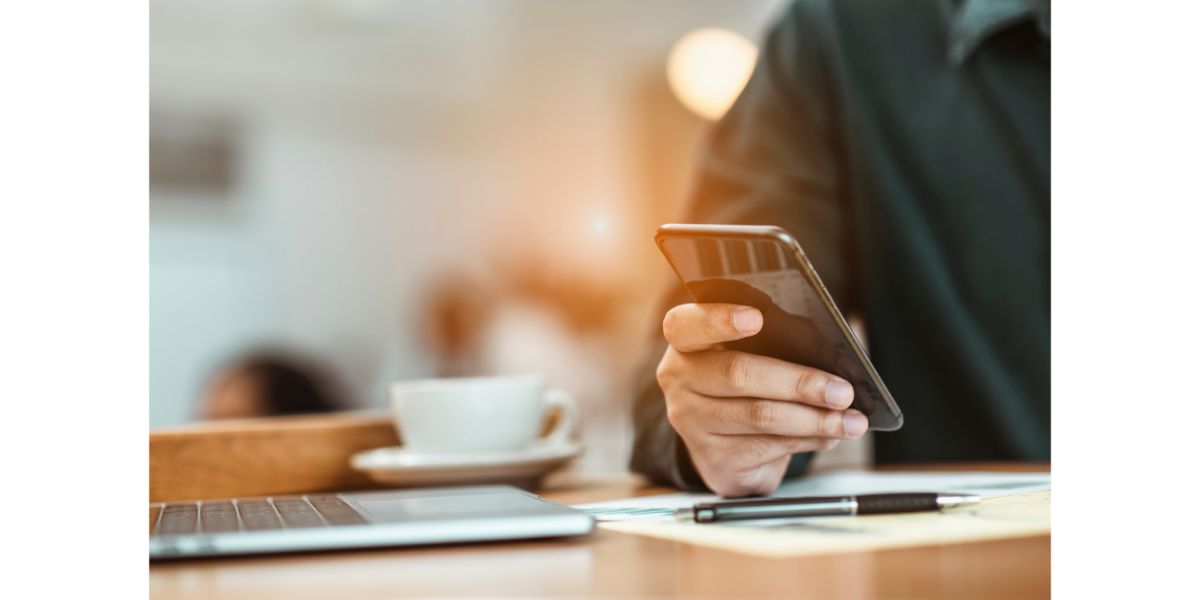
point(820, 506)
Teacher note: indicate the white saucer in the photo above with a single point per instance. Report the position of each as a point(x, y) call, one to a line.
point(400, 467)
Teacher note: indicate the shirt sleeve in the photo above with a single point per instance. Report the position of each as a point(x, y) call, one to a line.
point(774, 159)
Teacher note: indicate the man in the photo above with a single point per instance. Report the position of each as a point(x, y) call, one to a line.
point(906, 146)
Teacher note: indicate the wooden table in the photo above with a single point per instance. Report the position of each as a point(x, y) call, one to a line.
point(610, 564)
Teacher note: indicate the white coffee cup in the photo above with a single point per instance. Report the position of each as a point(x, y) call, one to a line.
point(475, 414)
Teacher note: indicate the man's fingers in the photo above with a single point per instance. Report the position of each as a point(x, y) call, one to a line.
point(727, 373)
point(696, 327)
point(755, 416)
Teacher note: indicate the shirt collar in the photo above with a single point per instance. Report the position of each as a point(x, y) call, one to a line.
point(972, 22)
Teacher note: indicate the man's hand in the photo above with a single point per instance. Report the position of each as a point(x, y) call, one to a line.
point(741, 415)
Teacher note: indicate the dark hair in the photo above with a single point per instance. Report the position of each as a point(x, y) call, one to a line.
point(289, 385)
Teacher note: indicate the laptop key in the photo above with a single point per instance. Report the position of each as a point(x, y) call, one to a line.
point(178, 519)
point(297, 512)
point(335, 511)
point(218, 517)
point(258, 515)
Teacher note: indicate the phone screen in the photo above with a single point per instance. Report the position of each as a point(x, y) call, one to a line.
point(800, 323)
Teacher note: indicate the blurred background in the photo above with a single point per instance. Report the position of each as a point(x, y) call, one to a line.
point(346, 193)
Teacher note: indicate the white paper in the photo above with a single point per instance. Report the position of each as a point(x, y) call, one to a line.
point(984, 484)
point(1001, 517)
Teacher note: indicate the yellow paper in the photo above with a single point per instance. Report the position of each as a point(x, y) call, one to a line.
point(994, 518)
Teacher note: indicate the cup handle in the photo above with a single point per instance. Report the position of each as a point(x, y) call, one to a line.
point(568, 421)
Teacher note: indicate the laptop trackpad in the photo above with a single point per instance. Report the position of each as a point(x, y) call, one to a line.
point(392, 508)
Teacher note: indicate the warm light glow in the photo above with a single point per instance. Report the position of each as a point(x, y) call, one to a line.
point(708, 68)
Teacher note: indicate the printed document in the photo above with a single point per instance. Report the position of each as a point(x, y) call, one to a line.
point(1014, 505)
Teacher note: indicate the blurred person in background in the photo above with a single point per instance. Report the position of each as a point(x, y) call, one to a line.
point(906, 145)
point(271, 383)
point(454, 314)
point(526, 319)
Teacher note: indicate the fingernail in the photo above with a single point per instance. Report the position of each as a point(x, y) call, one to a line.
point(747, 320)
point(855, 424)
point(838, 394)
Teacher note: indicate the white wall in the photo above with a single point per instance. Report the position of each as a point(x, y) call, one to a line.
point(385, 142)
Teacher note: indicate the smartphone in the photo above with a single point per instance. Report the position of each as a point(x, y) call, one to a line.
point(764, 267)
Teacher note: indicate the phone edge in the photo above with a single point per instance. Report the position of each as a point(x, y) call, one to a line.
point(783, 236)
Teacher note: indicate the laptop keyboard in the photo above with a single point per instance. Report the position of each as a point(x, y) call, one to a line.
point(252, 514)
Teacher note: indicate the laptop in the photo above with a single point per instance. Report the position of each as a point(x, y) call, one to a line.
point(335, 521)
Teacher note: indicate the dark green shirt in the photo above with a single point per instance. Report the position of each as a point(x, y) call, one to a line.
point(906, 145)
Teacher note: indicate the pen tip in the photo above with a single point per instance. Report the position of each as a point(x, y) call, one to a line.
point(953, 500)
